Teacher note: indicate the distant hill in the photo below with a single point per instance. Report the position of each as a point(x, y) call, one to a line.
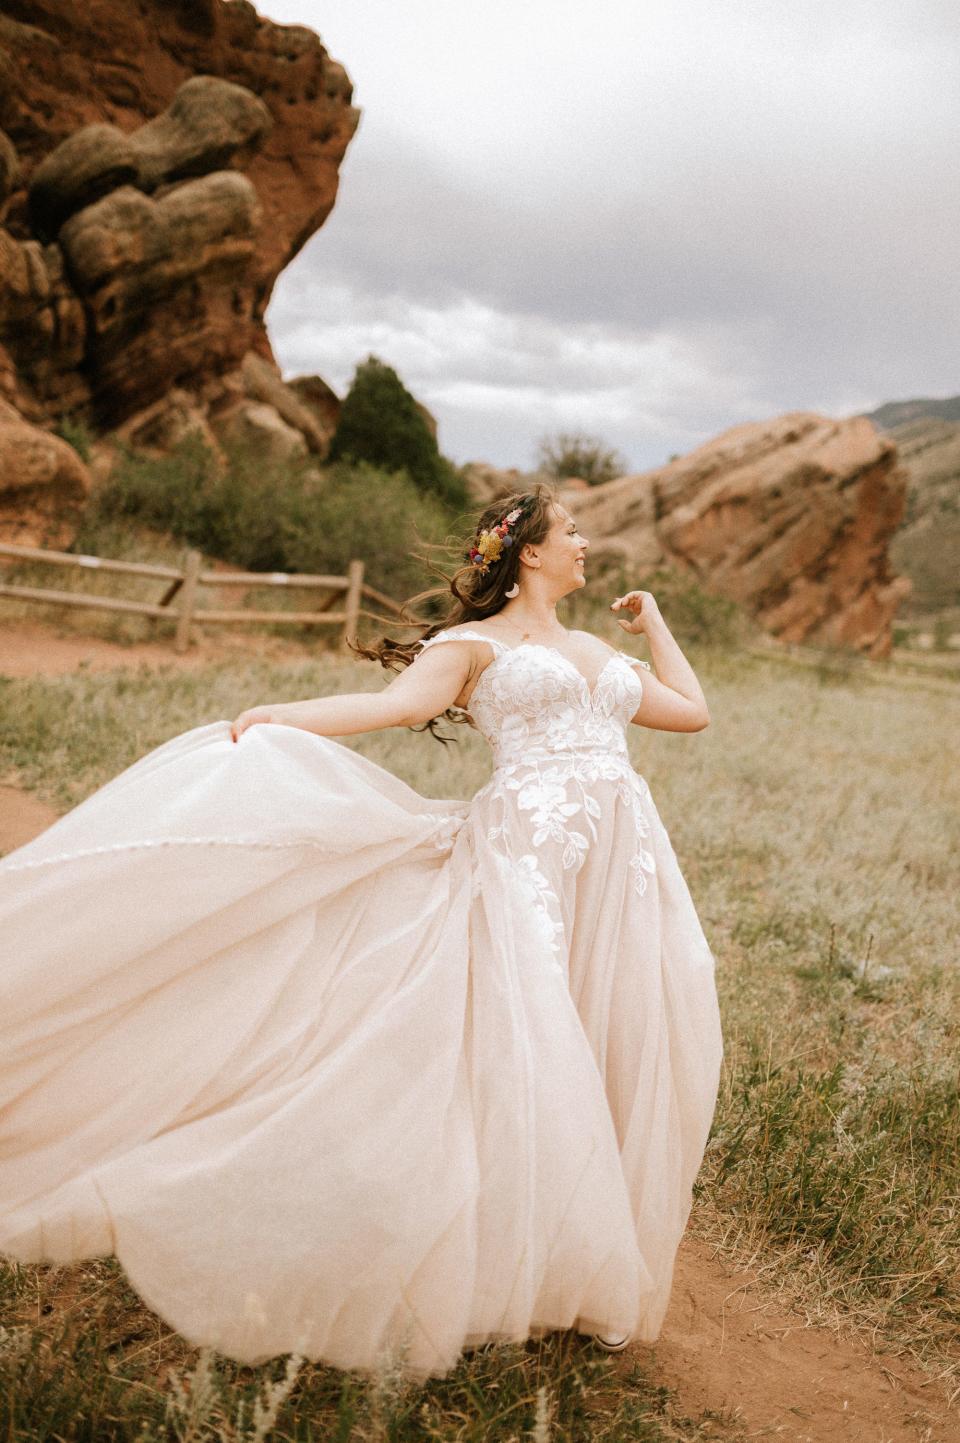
point(896, 413)
point(927, 545)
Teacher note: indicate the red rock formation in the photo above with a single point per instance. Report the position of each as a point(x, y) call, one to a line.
point(791, 517)
point(485, 483)
point(320, 399)
point(43, 483)
point(136, 257)
point(64, 66)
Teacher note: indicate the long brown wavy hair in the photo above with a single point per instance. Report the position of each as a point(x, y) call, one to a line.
point(472, 594)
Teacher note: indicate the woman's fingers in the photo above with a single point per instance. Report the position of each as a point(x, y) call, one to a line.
point(632, 599)
point(244, 720)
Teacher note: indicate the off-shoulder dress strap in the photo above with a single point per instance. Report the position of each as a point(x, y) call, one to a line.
point(498, 646)
point(637, 661)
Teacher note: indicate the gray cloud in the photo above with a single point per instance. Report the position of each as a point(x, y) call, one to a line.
point(710, 238)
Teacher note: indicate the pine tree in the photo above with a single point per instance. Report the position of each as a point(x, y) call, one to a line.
point(380, 423)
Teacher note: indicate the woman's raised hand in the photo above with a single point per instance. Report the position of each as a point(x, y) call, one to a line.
point(642, 605)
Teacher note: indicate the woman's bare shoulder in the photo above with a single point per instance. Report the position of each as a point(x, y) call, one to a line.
point(471, 634)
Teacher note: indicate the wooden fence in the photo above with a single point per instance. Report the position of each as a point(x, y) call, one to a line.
point(179, 600)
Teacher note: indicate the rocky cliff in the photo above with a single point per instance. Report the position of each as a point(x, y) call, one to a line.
point(790, 517)
point(160, 164)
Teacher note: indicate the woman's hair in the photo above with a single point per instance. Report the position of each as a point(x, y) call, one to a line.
point(472, 593)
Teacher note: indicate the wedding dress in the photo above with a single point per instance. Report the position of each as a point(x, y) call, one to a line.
point(337, 1069)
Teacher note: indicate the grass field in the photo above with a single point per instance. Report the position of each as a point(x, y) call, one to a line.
point(817, 821)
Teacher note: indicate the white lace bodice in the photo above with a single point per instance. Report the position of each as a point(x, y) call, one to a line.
point(532, 704)
point(560, 761)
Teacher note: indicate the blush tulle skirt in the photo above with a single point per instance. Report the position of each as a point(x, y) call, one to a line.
point(288, 1039)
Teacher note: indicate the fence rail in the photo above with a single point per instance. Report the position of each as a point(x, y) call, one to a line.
point(179, 600)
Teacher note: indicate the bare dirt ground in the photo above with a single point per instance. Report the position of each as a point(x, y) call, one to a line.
point(34, 649)
point(727, 1346)
point(22, 816)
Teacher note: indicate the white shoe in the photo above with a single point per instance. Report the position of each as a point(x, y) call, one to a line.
point(611, 1344)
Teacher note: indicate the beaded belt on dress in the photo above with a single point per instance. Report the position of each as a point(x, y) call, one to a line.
point(586, 755)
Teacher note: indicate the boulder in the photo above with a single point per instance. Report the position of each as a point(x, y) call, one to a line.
point(165, 285)
point(120, 65)
point(209, 124)
point(790, 517)
point(43, 483)
point(262, 382)
point(80, 171)
point(485, 483)
point(259, 428)
point(163, 426)
point(135, 256)
point(321, 401)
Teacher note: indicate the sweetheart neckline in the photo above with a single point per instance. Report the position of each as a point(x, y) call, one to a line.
point(591, 691)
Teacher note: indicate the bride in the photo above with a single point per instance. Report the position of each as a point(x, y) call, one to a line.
point(337, 1069)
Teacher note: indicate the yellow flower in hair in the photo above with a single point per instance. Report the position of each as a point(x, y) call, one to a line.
point(490, 546)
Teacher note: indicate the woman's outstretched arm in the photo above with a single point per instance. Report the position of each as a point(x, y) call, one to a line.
point(421, 692)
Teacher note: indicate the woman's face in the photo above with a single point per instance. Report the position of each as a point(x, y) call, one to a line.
point(562, 553)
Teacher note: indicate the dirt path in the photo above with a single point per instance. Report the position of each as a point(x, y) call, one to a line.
point(22, 816)
point(726, 1346)
point(32, 649)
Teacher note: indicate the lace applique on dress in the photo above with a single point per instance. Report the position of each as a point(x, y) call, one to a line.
point(560, 755)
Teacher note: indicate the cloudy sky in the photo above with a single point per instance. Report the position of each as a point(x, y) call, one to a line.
point(647, 220)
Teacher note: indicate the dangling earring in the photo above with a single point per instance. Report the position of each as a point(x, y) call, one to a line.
point(514, 590)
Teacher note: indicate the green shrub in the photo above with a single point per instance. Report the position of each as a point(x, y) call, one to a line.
point(360, 510)
point(171, 493)
point(578, 455)
point(76, 434)
point(380, 423)
point(293, 517)
point(942, 631)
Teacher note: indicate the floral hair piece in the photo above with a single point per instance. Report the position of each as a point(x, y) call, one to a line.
point(490, 545)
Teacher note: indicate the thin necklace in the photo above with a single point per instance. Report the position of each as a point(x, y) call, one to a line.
point(524, 635)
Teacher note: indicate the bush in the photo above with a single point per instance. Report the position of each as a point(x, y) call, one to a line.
point(76, 434)
point(942, 632)
point(360, 510)
point(290, 518)
point(170, 493)
point(380, 423)
point(578, 455)
point(700, 616)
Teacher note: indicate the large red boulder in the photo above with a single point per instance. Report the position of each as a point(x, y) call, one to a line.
point(792, 517)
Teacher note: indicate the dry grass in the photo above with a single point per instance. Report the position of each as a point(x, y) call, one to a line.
point(817, 822)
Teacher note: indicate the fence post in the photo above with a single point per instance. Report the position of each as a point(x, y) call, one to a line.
point(186, 601)
point(352, 604)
